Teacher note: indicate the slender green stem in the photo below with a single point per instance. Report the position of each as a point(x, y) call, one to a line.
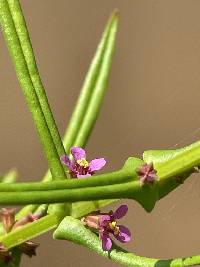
point(126, 190)
point(98, 180)
point(22, 32)
point(27, 86)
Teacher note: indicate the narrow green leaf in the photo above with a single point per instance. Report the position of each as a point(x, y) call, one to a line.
point(30, 231)
point(93, 88)
point(99, 87)
point(27, 86)
point(25, 42)
point(73, 230)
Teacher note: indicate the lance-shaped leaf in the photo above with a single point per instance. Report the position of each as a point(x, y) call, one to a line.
point(91, 95)
point(30, 231)
point(25, 42)
point(22, 70)
point(74, 230)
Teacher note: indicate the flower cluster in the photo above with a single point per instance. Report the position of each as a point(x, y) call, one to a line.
point(106, 225)
point(10, 224)
point(79, 167)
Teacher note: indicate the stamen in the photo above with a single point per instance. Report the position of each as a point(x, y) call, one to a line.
point(113, 226)
point(83, 163)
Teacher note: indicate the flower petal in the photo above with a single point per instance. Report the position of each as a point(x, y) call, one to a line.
point(124, 234)
point(103, 220)
point(83, 175)
point(65, 160)
point(106, 242)
point(78, 153)
point(97, 164)
point(120, 212)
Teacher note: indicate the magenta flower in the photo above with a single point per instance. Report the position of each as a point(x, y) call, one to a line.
point(147, 173)
point(79, 167)
point(106, 225)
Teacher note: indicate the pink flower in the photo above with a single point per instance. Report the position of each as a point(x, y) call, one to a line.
point(106, 225)
point(79, 167)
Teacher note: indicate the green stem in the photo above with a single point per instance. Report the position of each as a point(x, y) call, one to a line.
point(27, 86)
point(98, 180)
point(126, 190)
point(22, 32)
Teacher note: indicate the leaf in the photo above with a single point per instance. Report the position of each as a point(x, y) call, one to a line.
point(91, 95)
point(26, 46)
point(17, 54)
point(30, 231)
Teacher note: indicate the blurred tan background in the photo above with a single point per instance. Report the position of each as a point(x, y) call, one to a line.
point(152, 102)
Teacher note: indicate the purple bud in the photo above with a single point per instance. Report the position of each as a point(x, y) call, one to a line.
point(91, 221)
point(25, 220)
point(147, 173)
point(29, 248)
point(8, 218)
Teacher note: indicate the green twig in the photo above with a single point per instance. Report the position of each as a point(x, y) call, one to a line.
point(105, 179)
